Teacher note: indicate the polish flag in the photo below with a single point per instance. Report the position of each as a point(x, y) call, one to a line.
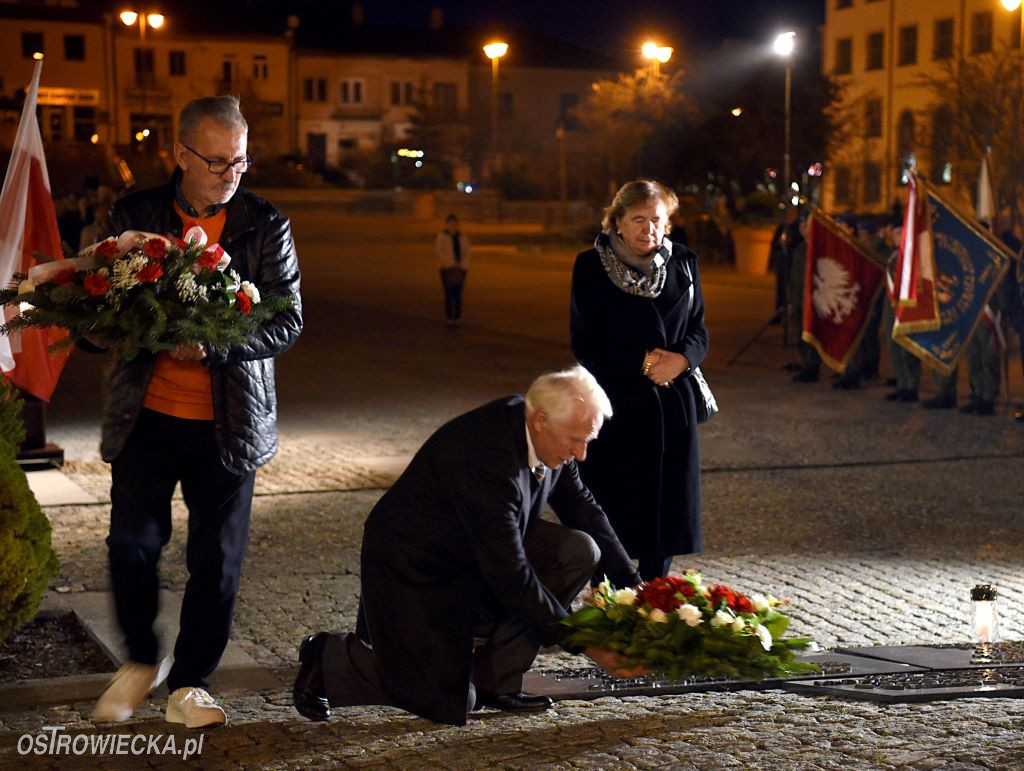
point(914, 300)
point(28, 224)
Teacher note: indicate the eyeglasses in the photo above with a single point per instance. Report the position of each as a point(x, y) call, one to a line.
point(219, 167)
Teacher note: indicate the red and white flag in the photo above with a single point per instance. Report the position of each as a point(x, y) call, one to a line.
point(843, 281)
point(914, 301)
point(28, 224)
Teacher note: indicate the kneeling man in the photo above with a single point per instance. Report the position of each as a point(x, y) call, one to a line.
point(462, 581)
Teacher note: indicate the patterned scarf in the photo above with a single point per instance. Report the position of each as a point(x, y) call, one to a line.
point(643, 277)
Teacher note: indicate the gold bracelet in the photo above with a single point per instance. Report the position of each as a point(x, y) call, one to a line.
point(647, 363)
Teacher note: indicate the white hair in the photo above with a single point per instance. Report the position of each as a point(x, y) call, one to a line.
point(558, 393)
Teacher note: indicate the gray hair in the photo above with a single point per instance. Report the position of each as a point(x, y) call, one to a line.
point(558, 394)
point(225, 109)
point(636, 193)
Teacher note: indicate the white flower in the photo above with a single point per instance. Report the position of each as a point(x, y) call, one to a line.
point(624, 597)
point(691, 614)
point(721, 618)
point(658, 616)
point(254, 294)
point(189, 290)
point(738, 624)
point(764, 636)
point(760, 603)
point(26, 286)
point(125, 271)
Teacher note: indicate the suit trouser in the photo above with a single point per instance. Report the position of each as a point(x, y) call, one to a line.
point(983, 364)
point(564, 560)
point(161, 451)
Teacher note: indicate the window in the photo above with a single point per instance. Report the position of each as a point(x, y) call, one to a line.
point(410, 93)
point(1015, 27)
point(876, 51)
point(981, 32)
point(566, 104)
point(844, 4)
point(842, 191)
point(396, 92)
point(144, 67)
point(942, 48)
point(31, 43)
point(84, 123)
point(314, 89)
point(872, 182)
point(352, 91)
point(228, 72)
point(74, 49)
point(844, 56)
point(176, 62)
point(446, 100)
point(873, 118)
point(905, 134)
point(506, 106)
point(260, 67)
point(908, 45)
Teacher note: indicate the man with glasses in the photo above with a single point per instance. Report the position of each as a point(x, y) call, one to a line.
point(198, 415)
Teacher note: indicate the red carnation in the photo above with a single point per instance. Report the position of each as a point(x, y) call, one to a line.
point(243, 302)
point(108, 249)
point(208, 260)
point(65, 277)
point(96, 284)
point(733, 599)
point(665, 593)
point(183, 245)
point(150, 272)
point(155, 248)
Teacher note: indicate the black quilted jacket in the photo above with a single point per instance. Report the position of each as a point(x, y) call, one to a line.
point(258, 237)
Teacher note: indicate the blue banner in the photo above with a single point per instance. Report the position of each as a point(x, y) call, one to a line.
point(969, 263)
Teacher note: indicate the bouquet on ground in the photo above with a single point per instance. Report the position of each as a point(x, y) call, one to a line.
point(142, 292)
point(679, 628)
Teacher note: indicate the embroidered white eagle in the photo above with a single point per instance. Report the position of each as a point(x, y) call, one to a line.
point(835, 292)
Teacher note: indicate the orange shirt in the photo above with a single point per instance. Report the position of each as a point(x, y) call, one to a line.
point(182, 388)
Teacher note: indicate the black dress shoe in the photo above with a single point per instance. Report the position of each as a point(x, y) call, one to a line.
point(846, 382)
point(805, 376)
point(984, 407)
point(308, 694)
point(513, 702)
point(908, 395)
point(970, 407)
point(895, 396)
point(939, 403)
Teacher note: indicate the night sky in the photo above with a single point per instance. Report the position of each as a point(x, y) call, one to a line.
point(616, 26)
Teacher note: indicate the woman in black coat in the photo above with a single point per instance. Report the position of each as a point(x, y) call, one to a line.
point(637, 323)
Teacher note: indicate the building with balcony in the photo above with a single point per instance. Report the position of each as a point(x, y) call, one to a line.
point(882, 52)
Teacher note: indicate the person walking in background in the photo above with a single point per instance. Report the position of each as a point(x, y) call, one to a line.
point(452, 247)
point(637, 322)
point(198, 415)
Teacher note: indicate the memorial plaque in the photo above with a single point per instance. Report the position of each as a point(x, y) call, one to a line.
point(953, 656)
point(593, 683)
point(932, 685)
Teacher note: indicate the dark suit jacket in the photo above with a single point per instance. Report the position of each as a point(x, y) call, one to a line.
point(448, 535)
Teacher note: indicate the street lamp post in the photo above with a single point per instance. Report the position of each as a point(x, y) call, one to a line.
point(494, 51)
point(657, 54)
point(155, 21)
point(784, 45)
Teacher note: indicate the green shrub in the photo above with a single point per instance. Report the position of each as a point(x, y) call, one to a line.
point(27, 559)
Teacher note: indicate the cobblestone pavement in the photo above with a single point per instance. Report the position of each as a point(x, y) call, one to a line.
point(874, 518)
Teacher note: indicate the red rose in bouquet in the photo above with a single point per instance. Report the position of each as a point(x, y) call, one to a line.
point(243, 303)
point(96, 284)
point(150, 273)
point(65, 277)
point(108, 249)
point(733, 599)
point(155, 248)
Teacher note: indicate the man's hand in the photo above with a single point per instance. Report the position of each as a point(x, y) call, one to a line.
point(613, 663)
point(189, 352)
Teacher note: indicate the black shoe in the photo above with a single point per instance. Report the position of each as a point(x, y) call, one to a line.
point(845, 383)
point(939, 403)
point(513, 702)
point(308, 694)
point(890, 381)
point(895, 396)
point(970, 407)
point(776, 317)
point(984, 407)
point(805, 376)
point(909, 395)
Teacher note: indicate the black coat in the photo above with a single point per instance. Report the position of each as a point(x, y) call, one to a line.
point(258, 237)
point(644, 468)
point(448, 537)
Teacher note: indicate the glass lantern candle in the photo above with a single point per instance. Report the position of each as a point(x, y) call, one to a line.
point(983, 614)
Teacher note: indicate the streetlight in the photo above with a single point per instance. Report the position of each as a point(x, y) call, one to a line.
point(657, 54)
point(494, 51)
point(156, 21)
point(783, 46)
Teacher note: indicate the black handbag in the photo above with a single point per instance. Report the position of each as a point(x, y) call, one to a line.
point(703, 399)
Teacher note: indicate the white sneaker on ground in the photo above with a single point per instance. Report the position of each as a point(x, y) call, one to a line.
point(128, 688)
point(195, 708)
